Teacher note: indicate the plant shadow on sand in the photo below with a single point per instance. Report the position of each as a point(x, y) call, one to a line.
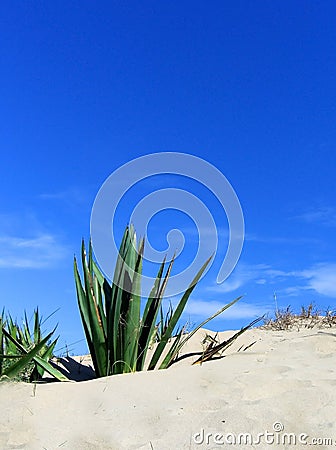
point(76, 368)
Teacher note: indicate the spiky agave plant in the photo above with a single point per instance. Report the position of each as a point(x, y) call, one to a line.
point(25, 354)
point(118, 337)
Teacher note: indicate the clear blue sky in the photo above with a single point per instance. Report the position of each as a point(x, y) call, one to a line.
point(249, 86)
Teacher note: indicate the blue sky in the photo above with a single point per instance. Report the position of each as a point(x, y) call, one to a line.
point(250, 87)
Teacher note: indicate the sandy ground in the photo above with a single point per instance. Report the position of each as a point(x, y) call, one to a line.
point(280, 393)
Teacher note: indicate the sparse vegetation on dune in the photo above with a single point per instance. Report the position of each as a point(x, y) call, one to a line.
point(309, 317)
point(121, 339)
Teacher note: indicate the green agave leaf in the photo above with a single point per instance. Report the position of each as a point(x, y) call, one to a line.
point(96, 325)
point(37, 326)
point(83, 309)
point(11, 356)
point(208, 355)
point(1, 341)
point(169, 359)
point(27, 337)
point(175, 317)
point(152, 308)
point(132, 328)
point(12, 331)
point(124, 305)
point(114, 313)
point(17, 367)
point(99, 282)
point(46, 354)
point(93, 325)
point(46, 366)
point(97, 301)
point(147, 324)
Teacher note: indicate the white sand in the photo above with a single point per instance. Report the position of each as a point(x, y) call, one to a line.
point(286, 379)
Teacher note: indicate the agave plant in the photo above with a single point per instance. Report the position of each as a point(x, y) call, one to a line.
point(25, 354)
point(118, 337)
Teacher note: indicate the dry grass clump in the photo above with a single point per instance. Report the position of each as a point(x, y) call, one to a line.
point(309, 317)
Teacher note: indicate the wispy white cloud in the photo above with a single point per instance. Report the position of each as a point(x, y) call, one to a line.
point(246, 273)
point(206, 231)
point(30, 253)
point(241, 310)
point(321, 278)
point(324, 215)
point(71, 195)
point(292, 291)
point(281, 239)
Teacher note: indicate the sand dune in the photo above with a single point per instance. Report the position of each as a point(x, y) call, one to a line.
point(283, 385)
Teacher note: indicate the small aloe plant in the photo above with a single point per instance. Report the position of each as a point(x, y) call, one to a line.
point(26, 354)
point(118, 337)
